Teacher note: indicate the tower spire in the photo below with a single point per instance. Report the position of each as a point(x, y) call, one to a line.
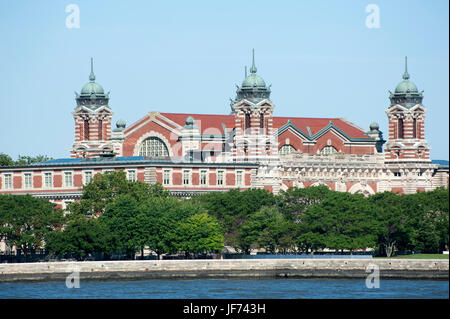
point(406, 75)
point(253, 68)
point(92, 75)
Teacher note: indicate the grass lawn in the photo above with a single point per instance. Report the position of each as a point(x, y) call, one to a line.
point(420, 256)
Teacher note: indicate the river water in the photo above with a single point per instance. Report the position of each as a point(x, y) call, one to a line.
point(285, 288)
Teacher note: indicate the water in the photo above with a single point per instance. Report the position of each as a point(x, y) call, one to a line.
point(230, 289)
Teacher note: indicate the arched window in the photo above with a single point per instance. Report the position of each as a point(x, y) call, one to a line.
point(327, 150)
point(153, 147)
point(286, 149)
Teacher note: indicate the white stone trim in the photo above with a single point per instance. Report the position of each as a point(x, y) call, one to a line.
point(189, 170)
point(135, 170)
point(170, 170)
point(83, 175)
point(152, 118)
point(200, 177)
point(364, 189)
point(320, 184)
point(4, 181)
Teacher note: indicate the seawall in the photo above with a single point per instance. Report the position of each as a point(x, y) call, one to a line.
point(436, 269)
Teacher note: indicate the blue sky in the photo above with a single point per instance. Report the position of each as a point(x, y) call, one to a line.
point(187, 56)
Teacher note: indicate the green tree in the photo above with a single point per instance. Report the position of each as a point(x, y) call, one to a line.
point(294, 202)
point(199, 233)
point(5, 160)
point(26, 221)
point(233, 208)
point(102, 190)
point(393, 227)
point(159, 217)
point(308, 240)
point(27, 160)
point(428, 219)
point(81, 238)
point(342, 221)
point(119, 218)
point(267, 229)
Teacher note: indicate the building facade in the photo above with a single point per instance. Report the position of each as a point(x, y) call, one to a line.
point(248, 148)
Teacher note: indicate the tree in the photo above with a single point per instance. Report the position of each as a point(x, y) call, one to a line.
point(342, 221)
point(26, 221)
point(267, 229)
point(102, 190)
point(27, 160)
point(159, 217)
point(119, 218)
point(428, 217)
point(392, 230)
point(5, 160)
point(233, 208)
point(294, 202)
point(199, 233)
point(81, 238)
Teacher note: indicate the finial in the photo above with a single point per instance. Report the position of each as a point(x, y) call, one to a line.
point(92, 75)
point(245, 71)
point(406, 75)
point(253, 68)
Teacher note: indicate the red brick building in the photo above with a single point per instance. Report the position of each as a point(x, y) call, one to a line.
point(250, 147)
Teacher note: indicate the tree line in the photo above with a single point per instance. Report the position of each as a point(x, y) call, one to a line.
point(6, 160)
point(115, 216)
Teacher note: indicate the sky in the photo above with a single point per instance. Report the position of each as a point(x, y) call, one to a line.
point(320, 56)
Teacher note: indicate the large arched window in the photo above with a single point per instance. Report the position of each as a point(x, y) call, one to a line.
point(286, 149)
point(327, 150)
point(153, 147)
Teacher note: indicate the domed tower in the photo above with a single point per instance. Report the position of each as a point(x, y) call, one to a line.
point(406, 92)
point(92, 120)
point(406, 116)
point(253, 87)
point(253, 110)
point(407, 154)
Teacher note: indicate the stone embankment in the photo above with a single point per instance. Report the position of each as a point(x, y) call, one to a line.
point(436, 269)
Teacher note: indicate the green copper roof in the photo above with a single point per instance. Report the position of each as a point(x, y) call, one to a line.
point(92, 94)
point(406, 86)
point(253, 80)
point(406, 92)
point(253, 87)
point(91, 87)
